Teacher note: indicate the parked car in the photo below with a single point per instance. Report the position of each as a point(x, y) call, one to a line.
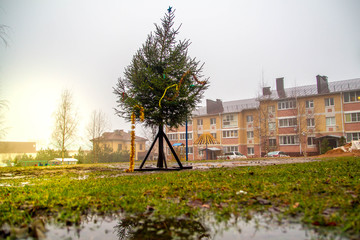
point(276, 154)
point(232, 155)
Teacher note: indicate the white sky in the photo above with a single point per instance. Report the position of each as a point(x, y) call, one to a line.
point(84, 46)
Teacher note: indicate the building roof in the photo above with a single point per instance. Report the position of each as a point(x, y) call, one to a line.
point(118, 135)
point(17, 147)
point(300, 91)
point(311, 90)
point(231, 106)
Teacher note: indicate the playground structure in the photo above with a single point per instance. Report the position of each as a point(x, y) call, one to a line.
point(180, 150)
point(207, 138)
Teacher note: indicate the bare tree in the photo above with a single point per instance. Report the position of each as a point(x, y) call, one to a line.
point(97, 126)
point(3, 103)
point(149, 133)
point(66, 122)
point(265, 119)
point(3, 34)
point(266, 124)
point(3, 108)
point(307, 123)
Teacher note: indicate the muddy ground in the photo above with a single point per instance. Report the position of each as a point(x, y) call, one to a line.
point(251, 162)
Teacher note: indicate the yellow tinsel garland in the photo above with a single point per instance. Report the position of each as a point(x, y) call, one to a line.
point(132, 148)
point(178, 85)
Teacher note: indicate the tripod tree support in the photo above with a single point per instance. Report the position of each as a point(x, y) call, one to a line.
point(161, 162)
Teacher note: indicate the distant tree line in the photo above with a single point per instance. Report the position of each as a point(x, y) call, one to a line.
point(103, 155)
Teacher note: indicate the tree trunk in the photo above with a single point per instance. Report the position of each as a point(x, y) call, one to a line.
point(161, 157)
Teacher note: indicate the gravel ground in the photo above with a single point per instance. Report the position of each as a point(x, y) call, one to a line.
point(249, 162)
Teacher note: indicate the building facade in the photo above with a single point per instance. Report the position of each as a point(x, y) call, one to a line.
point(9, 150)
point(119, 140)
point(293, 120)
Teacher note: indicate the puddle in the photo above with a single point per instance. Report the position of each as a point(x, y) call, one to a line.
point(206, 227)
point(84, 177)
point(5, 185)
point(22, 184)
point(11, 177)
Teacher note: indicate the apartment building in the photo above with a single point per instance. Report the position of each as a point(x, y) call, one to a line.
point(293, 120)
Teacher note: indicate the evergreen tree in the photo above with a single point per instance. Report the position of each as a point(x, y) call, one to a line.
point(153, 79)
point(162, 82)
point(325, 146)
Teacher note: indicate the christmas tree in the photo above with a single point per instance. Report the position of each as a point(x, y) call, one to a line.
point(162, 84)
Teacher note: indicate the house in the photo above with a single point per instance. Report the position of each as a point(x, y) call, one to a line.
point(293, 120)
point(9, 150)
point(119, 140)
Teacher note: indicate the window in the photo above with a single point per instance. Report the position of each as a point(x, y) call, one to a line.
point(272, 142)
point(250, 134)
point(309, 104)
point(119, 147)
point(230, 134)
point(230, 120)
point(271, 109)
point(329, 102)
point(190, 150)
point(330, 121)
point(352, 96)
point(352, 117)
point(201, 153)
point(286, 105)
point(250, 151)
point(311, 141)
point(231, 149)
point(213, 134)
point(140, 147)
point(272, 126)
point(353, 136)
point(289, 140)
point(183, 136)
point(172, 136)
point(249, 118)
point(199, 122)
point(287, 122)
point(310, 122)
point(189, 122)
point(212, 121)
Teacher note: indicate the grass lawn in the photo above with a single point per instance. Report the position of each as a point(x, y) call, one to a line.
point(324, 193)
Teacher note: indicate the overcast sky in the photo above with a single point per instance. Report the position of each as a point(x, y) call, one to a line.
point(84, 46)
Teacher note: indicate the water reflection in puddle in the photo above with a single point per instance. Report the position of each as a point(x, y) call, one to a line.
point(206, 227)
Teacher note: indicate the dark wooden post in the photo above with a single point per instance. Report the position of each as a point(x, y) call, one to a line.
point(161, 158)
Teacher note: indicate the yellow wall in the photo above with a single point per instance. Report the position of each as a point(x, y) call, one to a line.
point(126, 145)
point(320, 112)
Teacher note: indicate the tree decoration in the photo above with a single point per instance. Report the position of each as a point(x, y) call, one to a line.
point(174, 85)
point(163, 81)
point(132, 147)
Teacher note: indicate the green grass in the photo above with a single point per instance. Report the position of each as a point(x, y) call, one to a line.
point(324, 193)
